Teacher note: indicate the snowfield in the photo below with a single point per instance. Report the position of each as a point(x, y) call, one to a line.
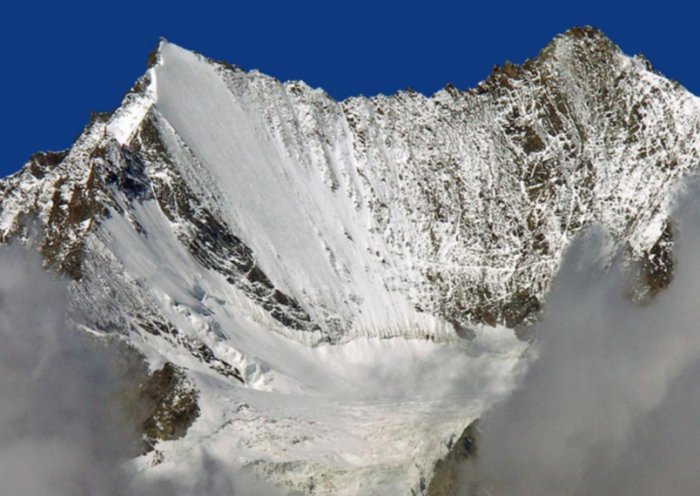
point(372, 419)
point(368, 416)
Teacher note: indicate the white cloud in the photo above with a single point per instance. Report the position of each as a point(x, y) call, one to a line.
point(609, 406)
point(60, 429)
point(58, 435)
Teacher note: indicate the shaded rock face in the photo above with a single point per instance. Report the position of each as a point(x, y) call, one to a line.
point(658, 262)
point(170, 403)
point(449, 476)
point(159, 405)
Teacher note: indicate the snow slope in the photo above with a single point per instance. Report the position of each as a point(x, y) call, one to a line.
point(314, 266)
point(309, 239)
point(369, 416)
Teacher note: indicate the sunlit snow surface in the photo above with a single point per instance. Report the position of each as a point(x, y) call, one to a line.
point(310, 240)
point(364, 417)
point(372, 421)
point(368, 416)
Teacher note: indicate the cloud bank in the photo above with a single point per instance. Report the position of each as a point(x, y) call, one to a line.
point(58, 434)
point(610, 406)
point(61, 433)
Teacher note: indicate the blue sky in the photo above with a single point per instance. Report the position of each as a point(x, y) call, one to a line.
point(65, 59)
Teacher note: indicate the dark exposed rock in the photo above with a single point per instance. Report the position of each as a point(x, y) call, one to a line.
point(656, 266)
point(447, 479)
point(658, 263)
point(520, 309)
point(98, 117)
point(154, 54)
point(170, 403)
point(64, 234)
point(157, 406)
point(132, 179)
point(194, 346)
point(41, 161)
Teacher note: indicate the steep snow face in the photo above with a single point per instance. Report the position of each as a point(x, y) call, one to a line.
point(369, 416)
point(459, 205)
point(268, 240)
point(309, 239)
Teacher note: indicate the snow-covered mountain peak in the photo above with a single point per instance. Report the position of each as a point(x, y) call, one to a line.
point(385, 215)
point(267, 240)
